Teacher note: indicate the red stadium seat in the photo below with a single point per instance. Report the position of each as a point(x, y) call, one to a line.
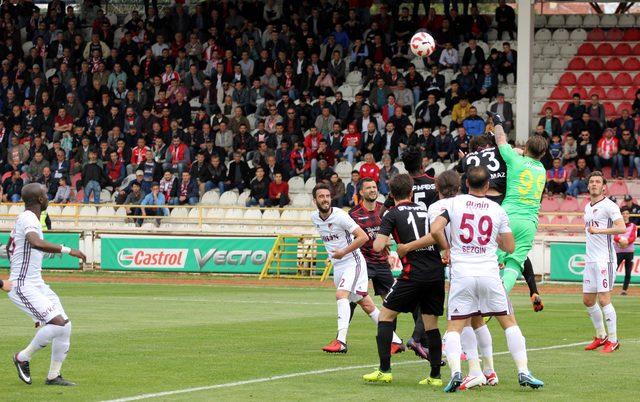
point(75, 178)
point(631, 64)
point(636, 49)
point(569, 204)
point(578, 220)
point(636, 79)
point(596, 63)
point(586, 49)
point(560, 92)
point(632, 35)
point(622, 49)
point(618, 188)
point(609, 109)
point(586, 79)
point(631, 93)
point(624, 106)
point(543, 220)
point(604, 79)
point(560, 220)
point(614, 35)
point(549, 204)
point(615, 93)
point(580, 91)
point(567, 79)
point(578, 63)
point(613, 64)
point(623, 79)
point(605, 49)
point(6, 176)
point(564, 107)
point(597, 90)
point(554, 108)
point(595, 35)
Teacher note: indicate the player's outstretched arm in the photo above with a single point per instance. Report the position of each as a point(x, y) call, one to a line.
point(618, 228)
point(36, 242)
point(6, 285)
point(425, 241)
point(506, 242)
point(501, 136)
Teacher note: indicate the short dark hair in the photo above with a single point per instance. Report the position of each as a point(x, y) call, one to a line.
point(366, 180)
point(319, 186)
point(448, 183)
point(481, 142)
point(412, 159)
point(401, 186)
point(536, 146)
point(477, 177)
point(625, 209)
point(597, 173)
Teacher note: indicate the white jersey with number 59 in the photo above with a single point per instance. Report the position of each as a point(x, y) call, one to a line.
point(475, 223)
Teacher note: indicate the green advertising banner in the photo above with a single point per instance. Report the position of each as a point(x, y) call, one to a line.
point(245, 255)
point(50, 261)
point(568, 261)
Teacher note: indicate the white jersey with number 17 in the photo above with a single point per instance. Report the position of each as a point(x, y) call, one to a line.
point(475, 223)
point(602, 214)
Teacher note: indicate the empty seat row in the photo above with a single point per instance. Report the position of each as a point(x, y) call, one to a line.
point(607, 49)
point(611, 64)
point(610, 108)
point(604, 79)
point(587, 21)
point(613, 93)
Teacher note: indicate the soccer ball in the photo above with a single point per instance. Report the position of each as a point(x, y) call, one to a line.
point(422, 44)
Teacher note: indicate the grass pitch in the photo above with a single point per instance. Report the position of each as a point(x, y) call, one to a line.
point(135, 339)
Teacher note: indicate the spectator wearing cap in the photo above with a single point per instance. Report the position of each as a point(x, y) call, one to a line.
point(633, 208)
point(178, 156)
point(504, 109)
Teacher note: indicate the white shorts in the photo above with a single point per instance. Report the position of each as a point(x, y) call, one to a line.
point(353, 278)
point(477, 295)
point(38, 301)
point(598, 277)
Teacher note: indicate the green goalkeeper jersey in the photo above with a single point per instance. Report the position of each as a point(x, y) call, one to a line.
point(526, 178)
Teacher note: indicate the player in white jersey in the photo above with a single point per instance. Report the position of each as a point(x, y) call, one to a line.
point(478, 227)
point(602, 220)
point(29, 292)
point(342, 238)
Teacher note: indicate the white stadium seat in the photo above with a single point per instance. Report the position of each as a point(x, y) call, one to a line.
point(271, 214)
point(551, 50)
point(559, 64)
point(492, 34)
point(52, 210)
point(555, 21)
point(88, 210)
point(568, 50)
point(543, 35)
point(69, 210)
point(253, 215)
point(290, 214)
point(228, 198)
point(242, 198)
point(343, 169)
point(310, 184)
point(509, 91)
point(296, 184)
point(211, 197)
point(578, 35)
point(573, 21)
point(550, 79)
point(179, 212)
point(234, 214)
point(590, 21)
point(537, 49)
point(194, 213)
point(301, 201)
point(540, 21)
point(626, 21)
point(354, 78)
point(560, 35)
point(608, 20)
point(216, 213)
point(541, 63)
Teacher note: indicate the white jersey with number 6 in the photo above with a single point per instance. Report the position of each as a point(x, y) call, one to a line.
point(601, 215)
point(474, 223)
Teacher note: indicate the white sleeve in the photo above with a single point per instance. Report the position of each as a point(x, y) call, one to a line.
point(614, 212)
point(30, 223)
point(504, 222)
point(436, 209)
point(346, 222)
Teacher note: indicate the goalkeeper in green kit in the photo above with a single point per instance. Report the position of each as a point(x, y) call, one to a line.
point(526, 179)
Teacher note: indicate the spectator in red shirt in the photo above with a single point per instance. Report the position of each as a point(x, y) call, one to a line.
point(624, 247)
point(311, 145)
point(351, 143)
point(115, 169)
point(607, 150)
point(369, 169)
point(279, 191)
point(138, 155)
point(557, 178)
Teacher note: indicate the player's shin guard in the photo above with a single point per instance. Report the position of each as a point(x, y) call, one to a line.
point(385, 335)
point(434, 340)
point(510, 275)
point(610, 318)
point(43, 337)
point(453, 349)
point(530, 277)
point(517, 348)
point(596, 318)
point(343, 320)
point(485, 344)
point(470, 348)
point(59, 350)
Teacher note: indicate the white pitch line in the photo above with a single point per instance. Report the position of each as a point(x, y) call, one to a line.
point(300, 374)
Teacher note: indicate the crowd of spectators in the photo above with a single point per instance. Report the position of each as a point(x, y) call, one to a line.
point(167, 105)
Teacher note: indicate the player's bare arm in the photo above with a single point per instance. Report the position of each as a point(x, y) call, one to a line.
point(506, 242)
point(500, 135)
point(360, 238)
point(48, 247)
point(437, 229)
point(618, 228)
point(380, 242)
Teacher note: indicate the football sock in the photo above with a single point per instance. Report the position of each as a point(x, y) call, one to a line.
point(611, 319)
point(470, 348)
point(418, 329)
point(530, 277)
point(434, 340)
point(510, 274)
point(517, 348)
point(598, 322)
point(352, 306)
point(343, 319)
point(375, 314)
point(43, 337)
point(453, 349)
point(59, 350)
point(385, 334)
point(485, 343)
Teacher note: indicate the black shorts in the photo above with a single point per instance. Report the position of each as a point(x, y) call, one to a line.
point(405, 295)
point(381, 277)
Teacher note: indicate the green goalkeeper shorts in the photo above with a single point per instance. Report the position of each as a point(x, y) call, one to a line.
point(524, 232)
